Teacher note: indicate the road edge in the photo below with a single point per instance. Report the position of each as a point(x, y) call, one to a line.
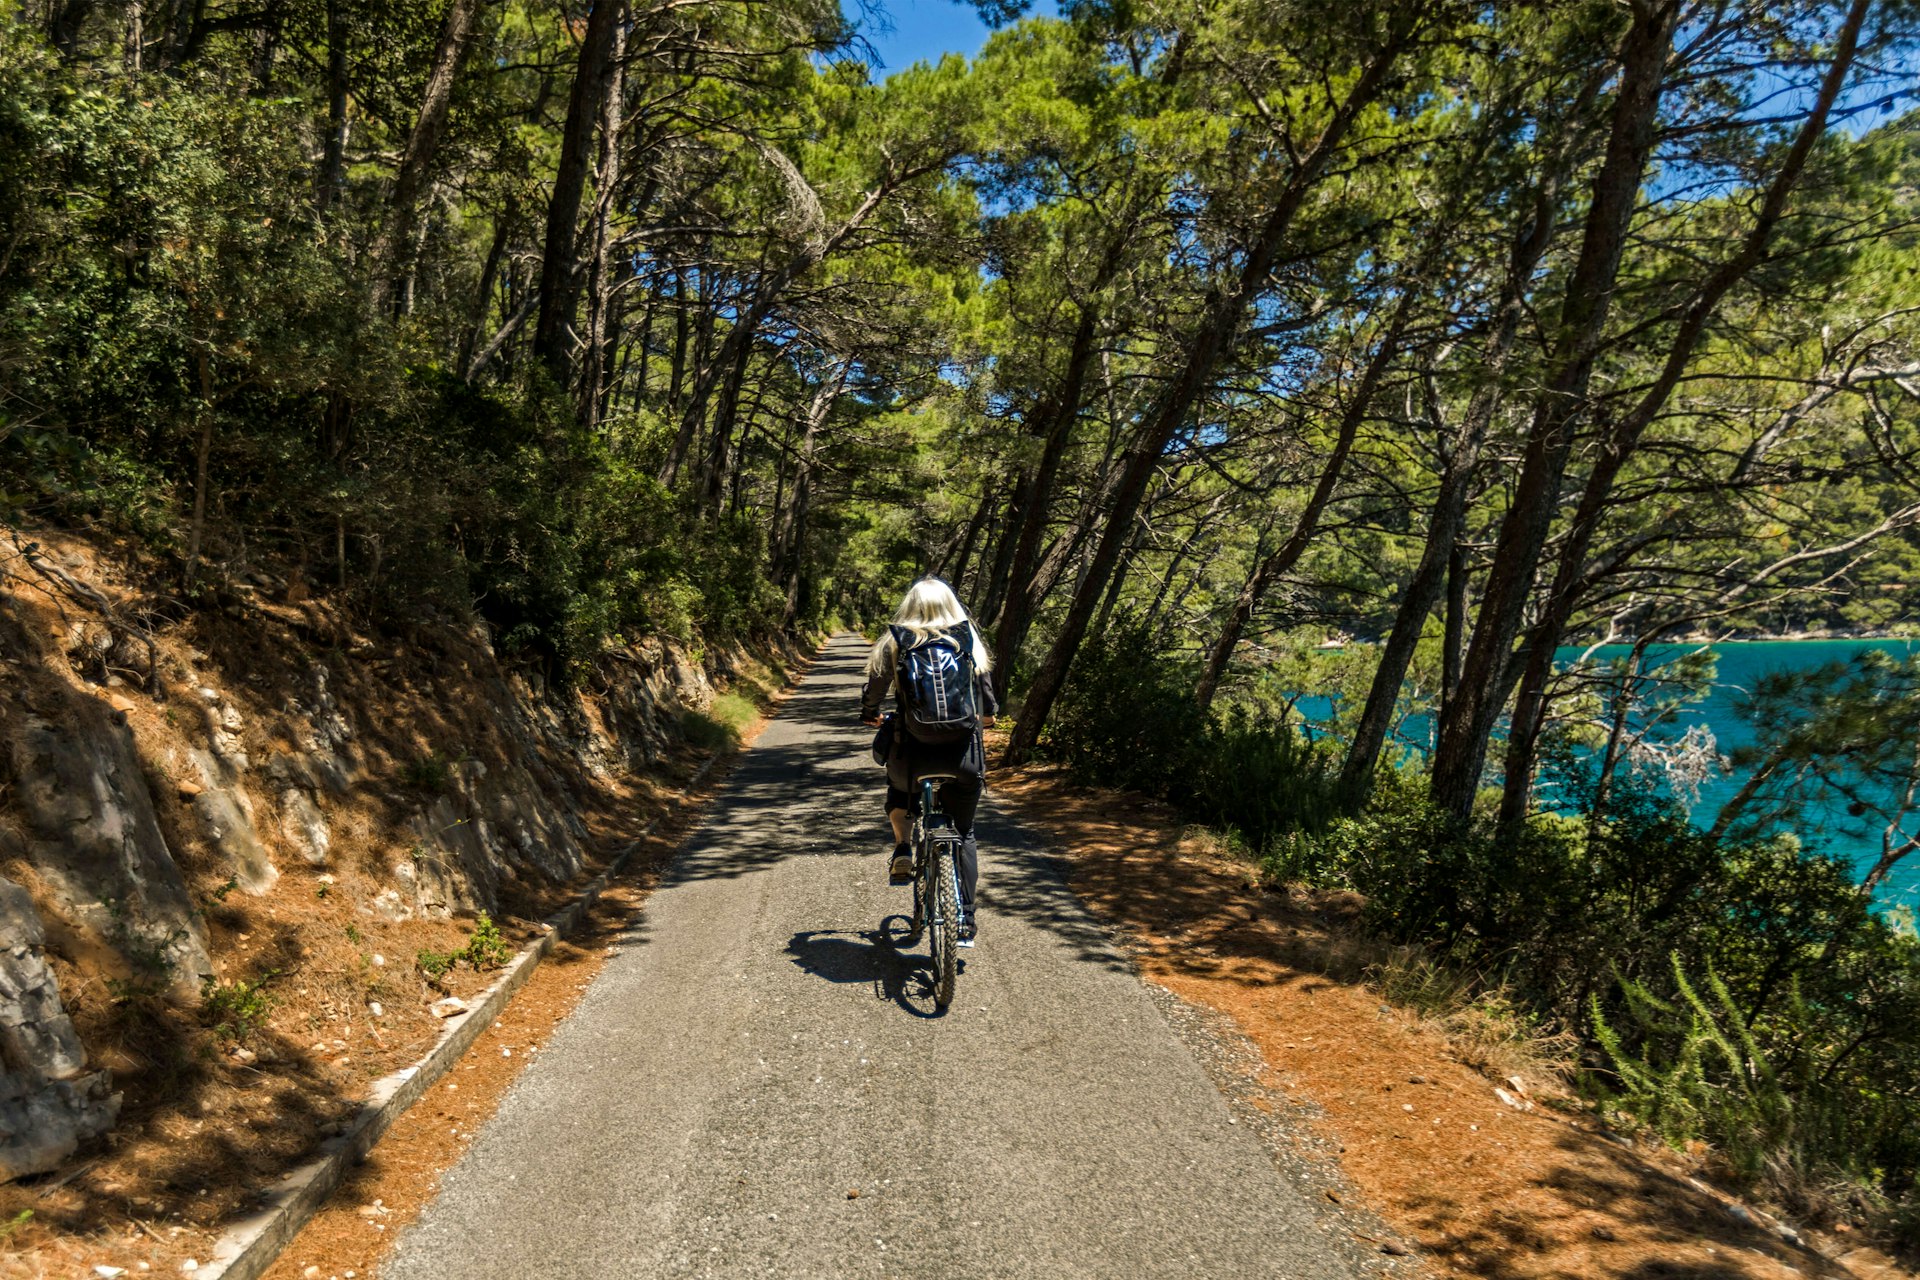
point(245, 1250)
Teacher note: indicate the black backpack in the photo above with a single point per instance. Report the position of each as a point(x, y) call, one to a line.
point(935, 679)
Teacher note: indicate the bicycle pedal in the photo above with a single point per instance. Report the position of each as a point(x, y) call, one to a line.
point(965, 944)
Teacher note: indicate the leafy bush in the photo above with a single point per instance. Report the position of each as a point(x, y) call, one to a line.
point(1699, 1072)
point(1796, 1056)
point(236, 1009)
point(1127, 719)
point(435, 965)
point(486, 948)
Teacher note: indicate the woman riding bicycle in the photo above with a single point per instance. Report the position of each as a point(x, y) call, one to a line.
point(932, 627)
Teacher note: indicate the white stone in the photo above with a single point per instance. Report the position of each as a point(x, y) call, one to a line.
point(303, 826)
point(390, 904)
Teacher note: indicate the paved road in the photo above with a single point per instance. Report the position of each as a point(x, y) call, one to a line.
point(757, 1051)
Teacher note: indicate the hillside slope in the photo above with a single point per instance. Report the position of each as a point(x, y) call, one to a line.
point(244, 846)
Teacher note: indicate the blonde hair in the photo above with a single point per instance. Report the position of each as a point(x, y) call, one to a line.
point(929, 606)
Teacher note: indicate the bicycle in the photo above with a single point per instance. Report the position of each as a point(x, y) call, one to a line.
point(936, 890)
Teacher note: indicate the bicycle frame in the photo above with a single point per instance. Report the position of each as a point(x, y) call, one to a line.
point(933, 836)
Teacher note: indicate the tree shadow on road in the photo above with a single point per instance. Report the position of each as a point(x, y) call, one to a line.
point(871, 956)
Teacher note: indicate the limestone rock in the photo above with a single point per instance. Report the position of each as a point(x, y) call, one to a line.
point(97, 844)
point(390, 904)
point(227, 812)
point(49, 1103)
point(303, 826)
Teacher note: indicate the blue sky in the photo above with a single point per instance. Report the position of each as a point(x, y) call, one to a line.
point(925, 29)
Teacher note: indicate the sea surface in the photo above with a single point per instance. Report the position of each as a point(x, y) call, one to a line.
point(1740, 664)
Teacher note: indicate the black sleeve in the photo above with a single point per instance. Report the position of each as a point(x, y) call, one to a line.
point(989, 704)
point(875, 690)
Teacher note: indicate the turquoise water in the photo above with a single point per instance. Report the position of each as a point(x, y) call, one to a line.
point(1740, 664)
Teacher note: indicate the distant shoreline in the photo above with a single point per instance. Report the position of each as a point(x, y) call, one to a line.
point(1791, 636)
point(1336, 643)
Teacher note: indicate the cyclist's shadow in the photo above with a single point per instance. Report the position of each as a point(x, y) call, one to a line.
point(870, 956)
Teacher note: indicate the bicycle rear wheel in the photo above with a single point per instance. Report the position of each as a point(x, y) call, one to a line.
point(945, 939)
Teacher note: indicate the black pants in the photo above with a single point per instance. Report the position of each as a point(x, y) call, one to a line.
point(959, 798)
point(911, 759)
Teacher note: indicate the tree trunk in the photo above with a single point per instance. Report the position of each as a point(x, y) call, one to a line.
point(952, 562)
point(1443, 559)
point(1462, 746)
point(266, 45)
point(792, 537)
point(678, 369)
point(394, 243)
point(559, 287)
point(1062, 410)
point(1118, 578)
point(1453, 638)
point(600, 300)
point(1529, 712)
point(64, 28)
point(333, 163)
point(1288, 553)
point(134, 57)
point(720, 446)
point(1221, 319)
point(489, 276)
point(993, 601)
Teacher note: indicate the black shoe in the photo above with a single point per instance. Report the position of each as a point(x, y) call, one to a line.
point(967, 929)
point(900, 870)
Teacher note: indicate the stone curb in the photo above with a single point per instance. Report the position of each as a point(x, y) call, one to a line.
point(248, 1248)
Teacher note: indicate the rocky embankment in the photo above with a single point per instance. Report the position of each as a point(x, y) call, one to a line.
point(226, 833)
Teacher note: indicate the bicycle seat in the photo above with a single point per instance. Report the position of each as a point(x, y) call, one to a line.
point(936, 777)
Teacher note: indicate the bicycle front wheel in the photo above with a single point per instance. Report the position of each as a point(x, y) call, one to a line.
point(945, 940)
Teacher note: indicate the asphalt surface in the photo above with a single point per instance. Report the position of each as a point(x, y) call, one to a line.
point(757, 1051)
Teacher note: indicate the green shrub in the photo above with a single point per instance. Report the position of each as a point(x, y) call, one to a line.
point(237, 1009)
point(429, 773)
point(486, 947)
point(1127, 719)
point(435, 964)
point(1698, 1071)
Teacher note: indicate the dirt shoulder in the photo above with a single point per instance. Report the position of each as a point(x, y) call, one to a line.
point(1410, 1112)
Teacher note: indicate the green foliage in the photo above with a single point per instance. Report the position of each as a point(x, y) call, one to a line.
point(238, 1009)
point(486, 948)
point(721, 726)
point(1700, 1072)
point(1128, 719)
point(435, 964)
point(428, 773)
